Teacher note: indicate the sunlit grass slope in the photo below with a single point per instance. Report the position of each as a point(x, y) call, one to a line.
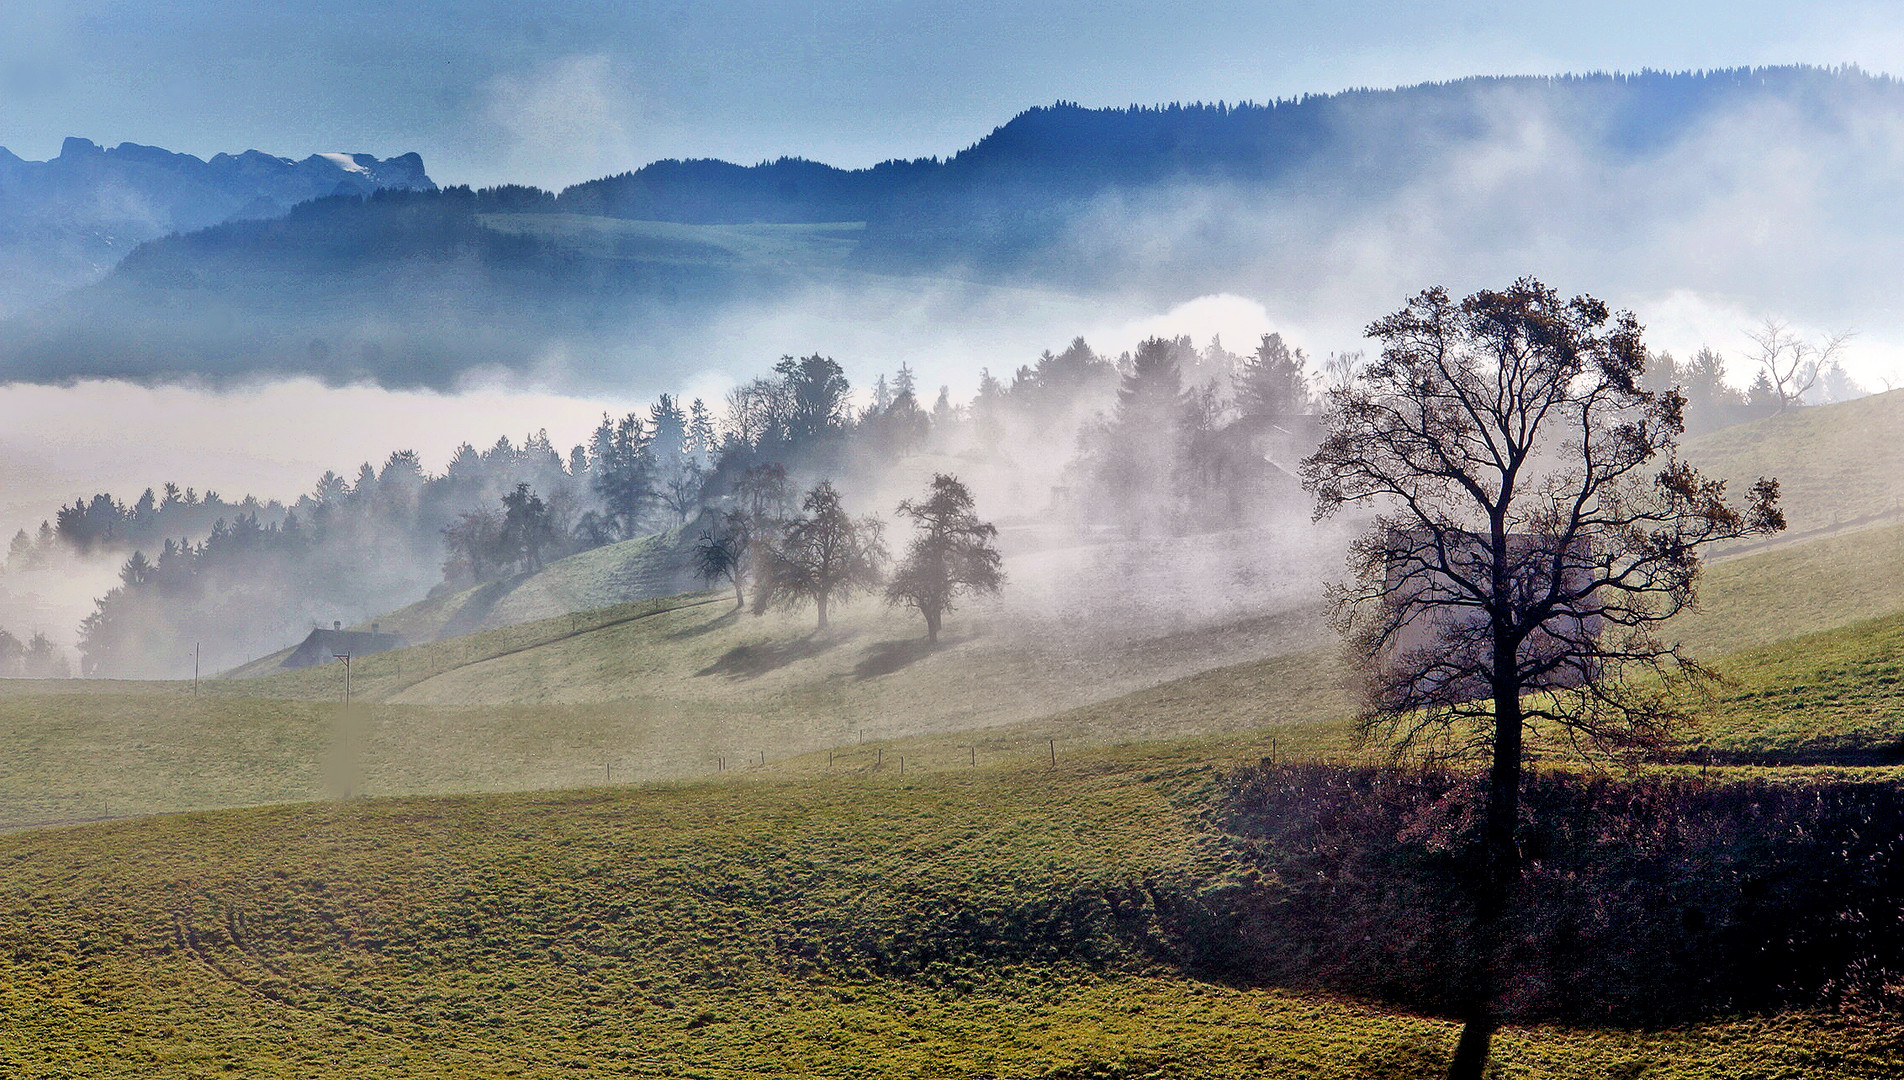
point(1837, 465)
point(869, 675)
point(1835, 697)
point(627, 572)
point(707, 653)
point(682, 687)
point(669, 688)
point(611, 576)
point(986, 922)
point(1796, 589)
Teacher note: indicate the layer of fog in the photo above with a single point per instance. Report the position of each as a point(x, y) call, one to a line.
point(1759, 211)
point(273, 439)
point(1787, 207)
point(1739, 221)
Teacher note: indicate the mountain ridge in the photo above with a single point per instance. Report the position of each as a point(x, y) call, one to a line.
point(66, 221)
point(1652, 182)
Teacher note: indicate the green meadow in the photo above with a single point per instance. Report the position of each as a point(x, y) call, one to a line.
point(578, 836)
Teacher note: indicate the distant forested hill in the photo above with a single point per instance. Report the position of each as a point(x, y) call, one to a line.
point(1769, 186)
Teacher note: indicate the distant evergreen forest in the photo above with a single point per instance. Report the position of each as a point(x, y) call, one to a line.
point(1167, 439)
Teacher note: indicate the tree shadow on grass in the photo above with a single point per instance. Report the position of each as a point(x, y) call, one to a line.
point(724, 619)
point(752, 661)
point(1412, 1057)
point(889, 656)
point(468, 617)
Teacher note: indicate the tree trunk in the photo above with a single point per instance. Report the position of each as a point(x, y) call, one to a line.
point(739, 601)
point(932, 625)
point(820, 602)
point(1499, 878)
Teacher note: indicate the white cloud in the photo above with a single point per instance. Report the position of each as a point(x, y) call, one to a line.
point(566, 120)
point(1240, 321)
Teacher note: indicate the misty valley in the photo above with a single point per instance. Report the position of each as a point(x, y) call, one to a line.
point(1382, 583)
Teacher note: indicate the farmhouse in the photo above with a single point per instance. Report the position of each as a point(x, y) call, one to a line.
point(323, 645)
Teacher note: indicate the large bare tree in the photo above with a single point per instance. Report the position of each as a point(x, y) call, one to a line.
point(1533, 528)
point(822, 556)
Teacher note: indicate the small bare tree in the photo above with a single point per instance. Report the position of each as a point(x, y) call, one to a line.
point(952, 553)
point(821, 556)
point(1534, 529)
point(721, 553)
point(1789, 366)
point(764, 492)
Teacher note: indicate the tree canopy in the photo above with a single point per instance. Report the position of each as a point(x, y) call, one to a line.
point(822, 556)
point(952, 553)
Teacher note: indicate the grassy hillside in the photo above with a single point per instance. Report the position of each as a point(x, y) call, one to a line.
point(604, 577)
point(1837, 465)
point(1786, 591)
point(978, 889)
point(607, 577)
point(679, 688)
point(646, 691)
point(1835, 697)
point(861, 924)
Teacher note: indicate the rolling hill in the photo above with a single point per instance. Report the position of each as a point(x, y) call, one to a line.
point(680, 687)
point(1838, 466)
point(995, 882)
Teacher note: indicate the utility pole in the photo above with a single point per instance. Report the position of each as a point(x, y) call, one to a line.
point(345, 657)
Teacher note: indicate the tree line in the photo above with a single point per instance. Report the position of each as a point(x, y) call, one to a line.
point(35, 658)
point(1789, 370)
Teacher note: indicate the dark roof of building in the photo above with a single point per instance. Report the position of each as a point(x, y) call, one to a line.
point(323, 646)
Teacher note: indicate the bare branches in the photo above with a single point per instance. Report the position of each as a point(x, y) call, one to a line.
point(952, 553)
point(722, 552)
point(1789, 366)
point(820, 557)
point(1534, 530)
point(1535, 526)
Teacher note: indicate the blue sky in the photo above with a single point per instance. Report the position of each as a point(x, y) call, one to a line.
point(564, 90)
